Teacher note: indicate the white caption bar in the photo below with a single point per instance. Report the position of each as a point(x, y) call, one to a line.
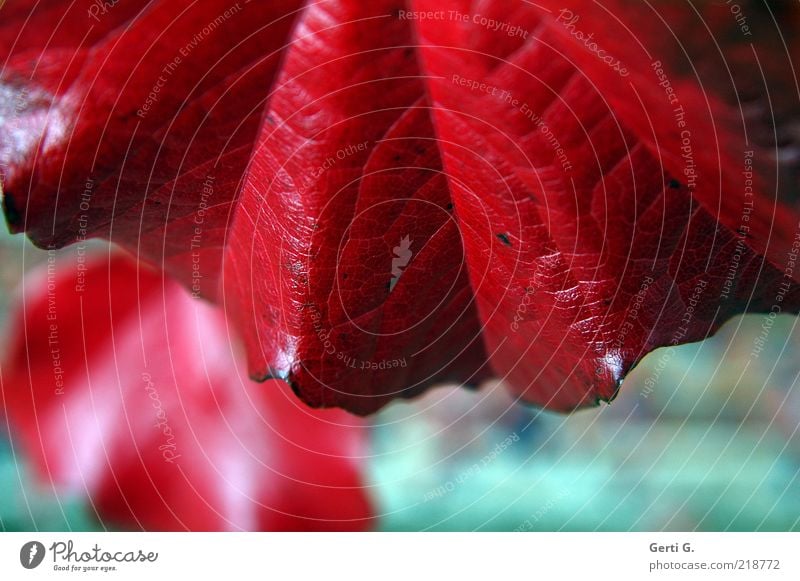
point(387, 556)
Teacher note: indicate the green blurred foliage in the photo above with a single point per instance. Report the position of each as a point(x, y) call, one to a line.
point(711, 444)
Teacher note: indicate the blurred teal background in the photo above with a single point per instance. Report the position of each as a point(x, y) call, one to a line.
point(714, 445)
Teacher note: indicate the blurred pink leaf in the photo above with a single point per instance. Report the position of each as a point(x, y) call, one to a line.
point(120, 386)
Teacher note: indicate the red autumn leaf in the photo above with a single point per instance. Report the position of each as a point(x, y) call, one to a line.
point(401, 192)
point(121, 387)
point(126, 112)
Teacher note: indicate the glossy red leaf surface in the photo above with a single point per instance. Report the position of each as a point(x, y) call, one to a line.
point(601, 248)
point(329, 295)
point(415, 192)
point(126, 114)
point(120, 386)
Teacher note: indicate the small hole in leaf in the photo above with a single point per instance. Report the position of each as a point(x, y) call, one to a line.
point(674, 184)
point(504, 239)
